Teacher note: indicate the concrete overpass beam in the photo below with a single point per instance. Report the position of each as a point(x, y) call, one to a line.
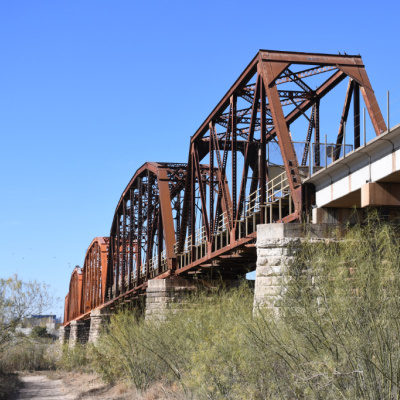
point(333, 215)
point(376, 194)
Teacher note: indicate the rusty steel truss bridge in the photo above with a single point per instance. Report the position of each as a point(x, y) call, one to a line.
point(246, 166)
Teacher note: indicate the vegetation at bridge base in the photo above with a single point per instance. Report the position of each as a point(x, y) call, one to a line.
point(336, 337)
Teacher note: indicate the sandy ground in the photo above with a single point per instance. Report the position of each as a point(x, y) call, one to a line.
point(51, 385)
point(41, 387)
point(70, 386)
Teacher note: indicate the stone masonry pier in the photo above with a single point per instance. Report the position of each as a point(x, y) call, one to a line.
point(162, 293)
point(276, 248)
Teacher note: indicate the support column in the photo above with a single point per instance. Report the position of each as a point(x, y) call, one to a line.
point(63, 335)
point(276, 248)
point(161, 293)
point(79, 332)
point(99, 318)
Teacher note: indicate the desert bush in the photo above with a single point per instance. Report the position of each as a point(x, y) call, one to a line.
point(75, 358)
point(336, 335)
point(27, 354)
point(177, 349)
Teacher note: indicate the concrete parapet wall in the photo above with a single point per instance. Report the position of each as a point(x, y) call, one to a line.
point(276, 249)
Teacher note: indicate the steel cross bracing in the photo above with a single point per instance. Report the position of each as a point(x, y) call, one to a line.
point(246, 166)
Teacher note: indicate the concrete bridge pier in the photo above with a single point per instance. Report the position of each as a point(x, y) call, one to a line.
point(79, 332)
point(276, 248)
point(162, 293)
point(64, 334)
point(99, 318)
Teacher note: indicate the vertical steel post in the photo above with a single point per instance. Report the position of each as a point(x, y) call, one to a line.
point(356, 112)
point(131, 227)
point(123, 268)
point(365, 128)
point(234, 156)
point(117, 273)
point(192, 222)
point(262, 156)
point(211, 178)
point(316, 133)
point(344, 139)
point(139, 235)
point(388, 112)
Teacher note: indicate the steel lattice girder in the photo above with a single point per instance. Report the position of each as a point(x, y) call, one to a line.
point(270, 68)
point(143, 228)
point(164, 204)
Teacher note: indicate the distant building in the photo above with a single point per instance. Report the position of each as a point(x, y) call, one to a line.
point(49, 321)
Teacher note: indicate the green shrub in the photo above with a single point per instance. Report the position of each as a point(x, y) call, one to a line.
point(40, 332)
point(76, 358)
point(205, 342)
point(336, 336)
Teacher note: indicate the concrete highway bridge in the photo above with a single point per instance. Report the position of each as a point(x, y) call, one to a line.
point(258, 168)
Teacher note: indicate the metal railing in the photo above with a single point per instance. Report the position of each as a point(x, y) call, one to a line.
point(154, 265)
point(277, 190)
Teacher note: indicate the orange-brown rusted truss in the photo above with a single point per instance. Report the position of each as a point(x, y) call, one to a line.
point(87, 287)
point(246, 166)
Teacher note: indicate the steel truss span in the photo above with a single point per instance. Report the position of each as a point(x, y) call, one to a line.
point(87, 287)
point(246, 166)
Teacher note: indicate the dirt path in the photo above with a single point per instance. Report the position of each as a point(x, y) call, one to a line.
point(40, 387)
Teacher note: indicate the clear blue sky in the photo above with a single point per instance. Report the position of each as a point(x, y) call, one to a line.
point(89, 90)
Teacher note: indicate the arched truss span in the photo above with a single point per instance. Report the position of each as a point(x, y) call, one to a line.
point(143, 232)
point(94, 274)
point(73, 306)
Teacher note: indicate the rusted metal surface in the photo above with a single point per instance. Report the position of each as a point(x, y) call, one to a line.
point(73, 308)
point(146, 220)
point(94, 274)
point(246, 165)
